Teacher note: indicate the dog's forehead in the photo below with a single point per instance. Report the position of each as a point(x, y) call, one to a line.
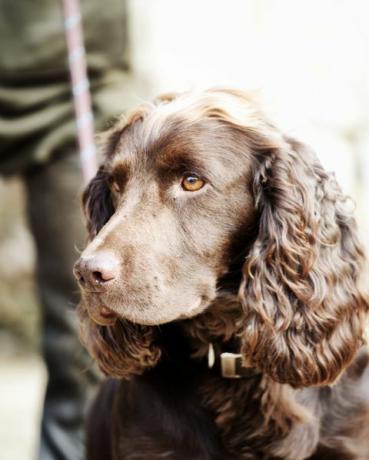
point(184, 119)
point(170, 140)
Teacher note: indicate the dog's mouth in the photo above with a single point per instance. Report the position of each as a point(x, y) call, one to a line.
point(102, 315)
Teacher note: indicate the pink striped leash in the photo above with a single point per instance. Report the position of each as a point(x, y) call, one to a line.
point(80, 88)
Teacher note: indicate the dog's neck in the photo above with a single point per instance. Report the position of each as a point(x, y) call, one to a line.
point(238, 404)
point(210, 339)
point(220, 325)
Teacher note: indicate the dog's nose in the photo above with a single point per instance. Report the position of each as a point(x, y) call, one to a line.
point(95, 271)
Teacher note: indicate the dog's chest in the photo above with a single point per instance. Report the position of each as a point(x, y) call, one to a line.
point(164, 419)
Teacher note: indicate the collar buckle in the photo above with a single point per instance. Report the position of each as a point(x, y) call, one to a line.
point(229, 363)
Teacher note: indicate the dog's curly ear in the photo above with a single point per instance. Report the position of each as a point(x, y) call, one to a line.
point(121, 350)
point(97, 203)
point(304, 308)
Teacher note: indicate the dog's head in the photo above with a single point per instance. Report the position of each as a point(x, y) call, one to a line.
point(195, 186)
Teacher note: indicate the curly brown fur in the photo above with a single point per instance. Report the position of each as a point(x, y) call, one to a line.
point(304, 311)
point(263, 260)
point(121, 350)
point(273, 410)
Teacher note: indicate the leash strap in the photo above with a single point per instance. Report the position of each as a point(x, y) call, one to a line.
point(80, 88)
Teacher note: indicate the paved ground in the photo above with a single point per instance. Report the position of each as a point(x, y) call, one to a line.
point(22, 381)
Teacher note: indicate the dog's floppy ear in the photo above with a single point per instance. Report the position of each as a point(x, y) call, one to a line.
point(304, 309)
point(121, 350)
point(97, 203)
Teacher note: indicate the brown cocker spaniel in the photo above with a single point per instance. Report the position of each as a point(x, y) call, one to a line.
point(222, 291)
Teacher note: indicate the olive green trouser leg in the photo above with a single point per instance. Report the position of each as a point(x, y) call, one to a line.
point(55, 219)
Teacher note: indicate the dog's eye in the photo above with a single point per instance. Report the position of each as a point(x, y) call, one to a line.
point(192, 183)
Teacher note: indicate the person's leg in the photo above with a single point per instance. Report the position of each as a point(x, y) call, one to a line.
point(56, 223)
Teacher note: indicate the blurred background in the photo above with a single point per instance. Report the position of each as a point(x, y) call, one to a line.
point(309, 62)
